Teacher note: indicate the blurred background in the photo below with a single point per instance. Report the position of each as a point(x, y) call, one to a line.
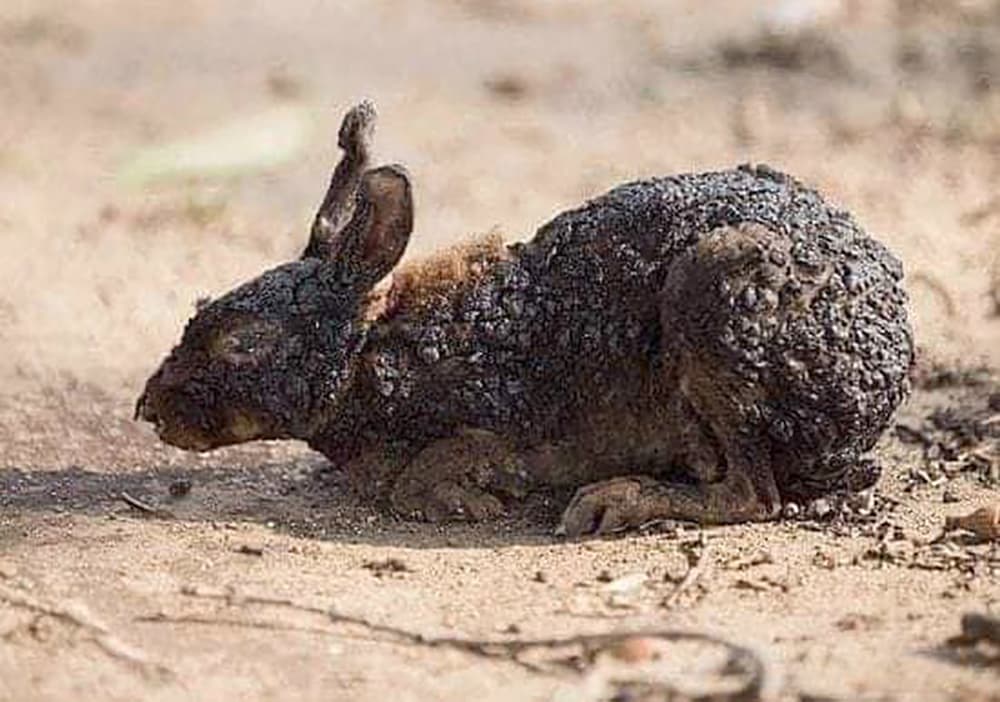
point(155, 152)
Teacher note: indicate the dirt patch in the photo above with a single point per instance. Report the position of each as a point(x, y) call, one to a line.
point(262, 552)
point(130, 570)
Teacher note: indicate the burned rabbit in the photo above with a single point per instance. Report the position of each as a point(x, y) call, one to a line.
point(700, 346)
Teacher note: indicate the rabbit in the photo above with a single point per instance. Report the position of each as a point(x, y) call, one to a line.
point(698, 347)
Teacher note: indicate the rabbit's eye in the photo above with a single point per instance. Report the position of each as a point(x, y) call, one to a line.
point(245, 344)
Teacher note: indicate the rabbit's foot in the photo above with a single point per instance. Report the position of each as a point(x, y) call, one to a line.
point(631, 501)
point(610, 505)
point(449, 501)
point(460, 478)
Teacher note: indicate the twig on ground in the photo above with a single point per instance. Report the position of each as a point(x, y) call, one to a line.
point(163, 618)
point(137, 504)
point(697, 563)
point(742, 661)
point(98, 633)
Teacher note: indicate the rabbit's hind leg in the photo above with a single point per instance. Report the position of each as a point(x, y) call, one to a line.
point(730, 466)
point(631, 501)
point(719, 316)
point(460, 478)
point(738, 486)
point(726, 460)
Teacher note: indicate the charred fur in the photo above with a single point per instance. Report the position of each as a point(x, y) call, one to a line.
point(699, 346)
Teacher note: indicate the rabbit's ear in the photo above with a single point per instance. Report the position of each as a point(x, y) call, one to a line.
point(355, 138)
point(366, 217)
point(376, 237)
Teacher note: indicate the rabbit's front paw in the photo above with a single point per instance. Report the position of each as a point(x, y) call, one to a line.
point(458, 478)
point(448, 501)
point(608, 506)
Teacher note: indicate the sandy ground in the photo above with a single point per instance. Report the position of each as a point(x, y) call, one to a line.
point(506, 111)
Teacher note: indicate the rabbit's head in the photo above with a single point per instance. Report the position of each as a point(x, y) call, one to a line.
point(273, 357)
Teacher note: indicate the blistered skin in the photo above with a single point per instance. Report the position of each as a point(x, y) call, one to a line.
point(701, 346)
point(564, 340)
point(260, 362)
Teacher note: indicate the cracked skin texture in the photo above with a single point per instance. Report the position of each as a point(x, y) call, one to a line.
point(700, 346)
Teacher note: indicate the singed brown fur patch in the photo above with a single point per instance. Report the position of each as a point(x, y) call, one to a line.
point(432, 282)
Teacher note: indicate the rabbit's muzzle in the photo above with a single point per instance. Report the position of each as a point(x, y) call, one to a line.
point(188, 411)
point(179, 420)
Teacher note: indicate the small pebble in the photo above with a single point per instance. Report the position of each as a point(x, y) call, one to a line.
point(862, 502)
point(387, 566)
point(180, 487)
point(634, 649)
point(626, 584)
point(791, 510)
point(820, 508)
point(248, 550)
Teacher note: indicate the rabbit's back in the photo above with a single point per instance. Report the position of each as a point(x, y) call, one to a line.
point(578, 334)
point(800, 329)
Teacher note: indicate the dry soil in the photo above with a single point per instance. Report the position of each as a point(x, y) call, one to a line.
point(252, 573)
